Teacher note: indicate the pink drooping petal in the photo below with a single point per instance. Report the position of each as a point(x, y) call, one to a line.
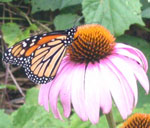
point(135, 51)
point(139, 73)
point(65, 91)
point(126, 53)
point(65, 96)
point(43, 95)
point(95, 91)
point(119, 90)
point(127, 73)
point(77, 91)
point(92, 93)
point(57, 84)
point(105, 103)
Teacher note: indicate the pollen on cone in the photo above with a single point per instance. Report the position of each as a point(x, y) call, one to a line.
point(92, 42)
point(137, 120)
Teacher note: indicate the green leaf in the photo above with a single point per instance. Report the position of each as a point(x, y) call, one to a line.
point(67, 21)
point(76, 122)
point(12, 33)
point(143, 109)
point(5, 0)
point(29, 116)
point(32, 27)
point(67, 3)
point(5, 120)
point(32, 96)
point(145, 4)
point(34, 116)
point(115, 15)
point(44, 5)
point(146, 13)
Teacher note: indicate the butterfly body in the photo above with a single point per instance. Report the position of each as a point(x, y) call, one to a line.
point(40, 55)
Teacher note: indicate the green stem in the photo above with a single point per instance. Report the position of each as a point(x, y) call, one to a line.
point(110, 120)
point(20, 12)
point(28, 18)
point(143, 28)
point(10, 18)
point(42, 25)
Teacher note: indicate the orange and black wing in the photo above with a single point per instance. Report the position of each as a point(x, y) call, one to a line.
point(40, 55)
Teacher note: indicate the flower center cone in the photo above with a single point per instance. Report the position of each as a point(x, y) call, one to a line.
point(91, 43)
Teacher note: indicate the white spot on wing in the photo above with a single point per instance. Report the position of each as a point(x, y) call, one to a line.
point(33, 40)
point(9, 50)
point(24, 44)
point(44, 34)
point(31, 44)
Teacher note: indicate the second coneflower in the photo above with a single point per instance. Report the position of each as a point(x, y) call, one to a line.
point(137, 120)
point(96, 70)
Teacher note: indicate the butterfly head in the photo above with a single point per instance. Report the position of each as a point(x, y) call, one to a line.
point(70, 36)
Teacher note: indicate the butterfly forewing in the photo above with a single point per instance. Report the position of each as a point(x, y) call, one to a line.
point(43, 63)
point(40, 55)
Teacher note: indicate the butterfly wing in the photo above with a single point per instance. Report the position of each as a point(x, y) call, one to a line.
point(40, 55)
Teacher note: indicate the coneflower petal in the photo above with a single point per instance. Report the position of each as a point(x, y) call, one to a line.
point(43, 96)
point(65, 91)
point(105, 103)
point(139, 73)
point(127, 53)
point(136, 52)
point(92, 92)
point(65, 97)
point(118, 90)
point(127, 72)
point(58, 83)
point(77, 91)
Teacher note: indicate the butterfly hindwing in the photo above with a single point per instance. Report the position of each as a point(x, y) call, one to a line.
point(40, 55)
point(43, 63)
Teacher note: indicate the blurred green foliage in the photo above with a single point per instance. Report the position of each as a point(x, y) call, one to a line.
point(43, 5)
point(12, 33)
point(33, 115)
point(30, 17)
point(65, 23)
point(5, 120)
point(116, 15)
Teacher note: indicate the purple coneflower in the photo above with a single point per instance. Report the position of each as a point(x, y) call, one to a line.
point(95, 72)
point(137, 120)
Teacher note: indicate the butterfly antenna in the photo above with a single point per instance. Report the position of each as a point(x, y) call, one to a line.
point(76, 23)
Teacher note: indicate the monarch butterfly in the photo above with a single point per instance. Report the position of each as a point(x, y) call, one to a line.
point(40, 55)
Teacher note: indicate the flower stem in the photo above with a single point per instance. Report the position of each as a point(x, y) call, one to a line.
point(110, 120)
